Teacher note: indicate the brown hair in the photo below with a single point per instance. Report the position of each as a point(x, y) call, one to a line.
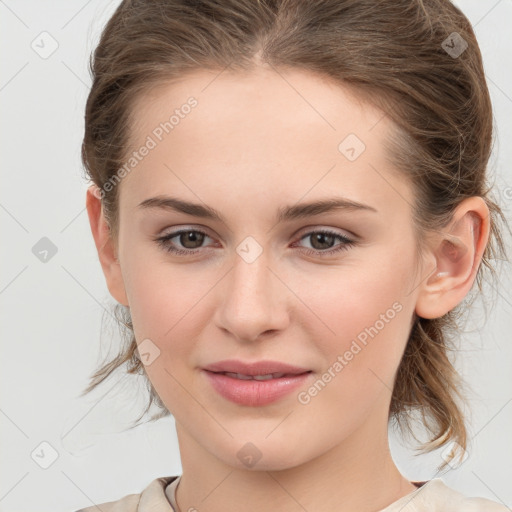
point(392, 53)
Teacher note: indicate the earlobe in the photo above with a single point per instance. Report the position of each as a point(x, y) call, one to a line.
point(457, 252)
point(107, 251)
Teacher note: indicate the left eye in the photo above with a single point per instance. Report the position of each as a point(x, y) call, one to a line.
point(192, 239)
point(325, 237)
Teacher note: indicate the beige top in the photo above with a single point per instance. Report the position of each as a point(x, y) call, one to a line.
point(431, 496)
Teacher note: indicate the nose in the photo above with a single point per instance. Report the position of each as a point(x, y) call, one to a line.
point(254, 300)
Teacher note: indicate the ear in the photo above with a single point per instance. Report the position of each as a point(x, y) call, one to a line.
point(107, 251)
point(456, 252)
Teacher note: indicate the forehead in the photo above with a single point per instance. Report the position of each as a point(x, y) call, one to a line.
point(261, 97)
point(260, 133)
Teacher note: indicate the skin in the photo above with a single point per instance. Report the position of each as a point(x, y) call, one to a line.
point(255, 143)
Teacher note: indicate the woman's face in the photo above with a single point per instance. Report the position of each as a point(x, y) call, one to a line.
point(257, 286)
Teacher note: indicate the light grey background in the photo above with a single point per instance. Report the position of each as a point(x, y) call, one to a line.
point(51, 312)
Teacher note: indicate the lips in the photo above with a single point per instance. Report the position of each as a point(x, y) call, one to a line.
point(255, 384)
point(252, 392)
point(265, 368)
point(256, 377)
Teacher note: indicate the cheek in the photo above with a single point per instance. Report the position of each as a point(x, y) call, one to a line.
point(167, 306)
point(161, 293)
point(164, 307)
point(365, 314)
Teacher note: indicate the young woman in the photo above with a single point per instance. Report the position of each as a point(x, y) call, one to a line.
point(290, 205)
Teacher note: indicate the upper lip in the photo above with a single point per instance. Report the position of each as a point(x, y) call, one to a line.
point(254, 368)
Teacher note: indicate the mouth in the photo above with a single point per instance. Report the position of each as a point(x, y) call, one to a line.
point(263, 368)
point(269, 376)
point(256, 390)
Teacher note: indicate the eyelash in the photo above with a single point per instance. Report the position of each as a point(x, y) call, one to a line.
point(164, 242)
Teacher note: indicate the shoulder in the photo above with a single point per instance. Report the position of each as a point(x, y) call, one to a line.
point(151, 498)
point(435, 495)
point(129, 503)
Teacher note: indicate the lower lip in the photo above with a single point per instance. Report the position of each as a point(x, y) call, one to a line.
point(254, 392)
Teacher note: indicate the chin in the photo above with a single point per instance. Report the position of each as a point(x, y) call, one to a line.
point(263, 455)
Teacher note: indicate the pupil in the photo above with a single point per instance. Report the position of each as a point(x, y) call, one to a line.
point(191, 236)
point(321, 237)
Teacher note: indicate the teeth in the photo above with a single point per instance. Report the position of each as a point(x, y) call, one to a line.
point(238, 376)
point(254, 377)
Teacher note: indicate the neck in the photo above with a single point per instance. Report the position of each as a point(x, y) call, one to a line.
point(356, 474)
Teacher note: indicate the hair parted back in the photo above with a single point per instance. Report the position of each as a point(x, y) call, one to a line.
point(389, 53)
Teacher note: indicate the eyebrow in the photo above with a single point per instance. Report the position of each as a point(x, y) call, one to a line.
point(286, 213)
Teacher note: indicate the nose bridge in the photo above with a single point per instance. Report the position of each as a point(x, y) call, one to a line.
point(252, 300)
point(251, 277)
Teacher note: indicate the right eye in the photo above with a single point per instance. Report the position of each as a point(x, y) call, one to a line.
point(185, 237)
